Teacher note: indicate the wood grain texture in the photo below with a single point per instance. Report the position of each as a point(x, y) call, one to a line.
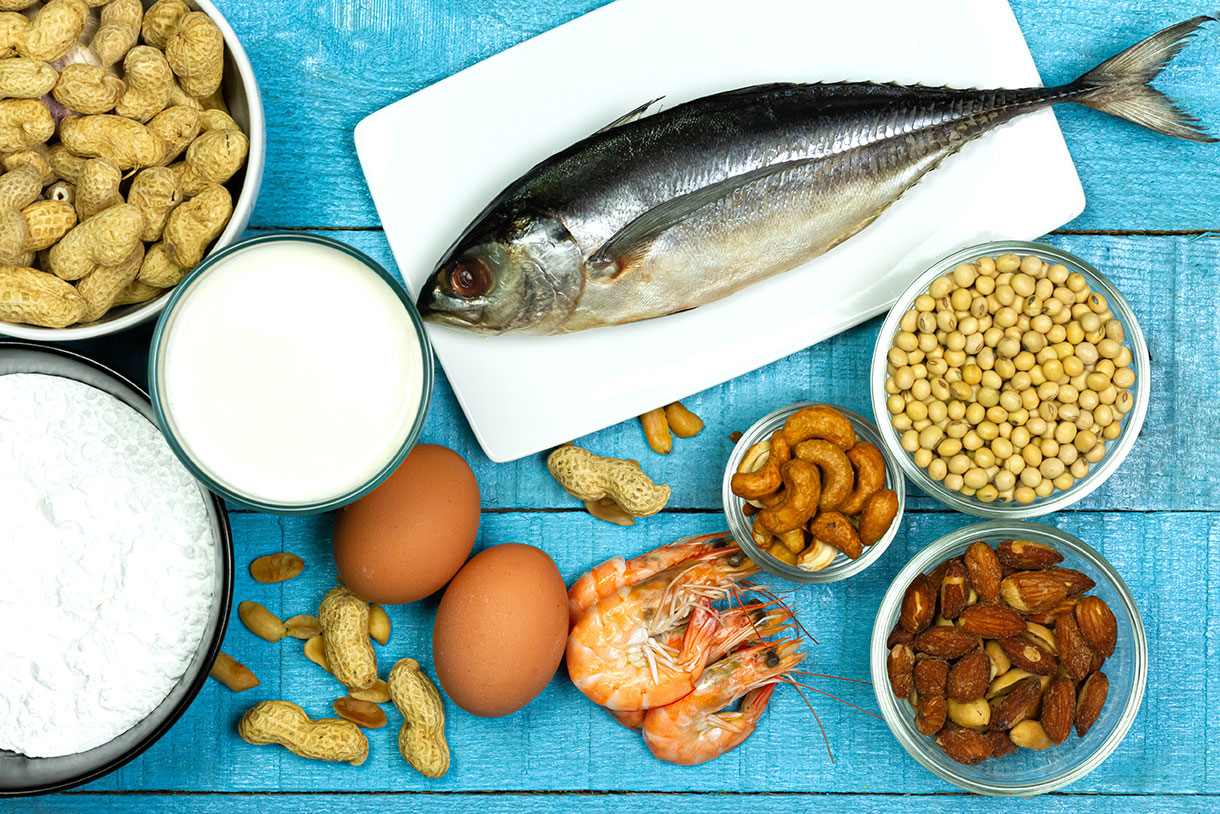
point(423, 803)
point(345, 60)
point(562, 742)
point(326, 65)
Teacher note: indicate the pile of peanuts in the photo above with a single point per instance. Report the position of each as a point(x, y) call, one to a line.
point(1007, 378)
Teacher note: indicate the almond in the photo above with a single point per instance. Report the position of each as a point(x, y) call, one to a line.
point(983, 569)
point(945, 641)
point(969, 676)
point(1001, 744)
point(1059, 709)
point(1033, 591)
point(1075, 654)
point(1089, 701)
point(901, 665)
point(899, 635)
point(1023, 554)
point(931, 676)
point(1017, 705)
point(918, 605)
point(930, 718)
point(991, 621)
point(1098, 625)
point(937, 574)
point(1074, 582)
point(1048, 617)
point(954, 590)
point(1029, 655)
point(964, 745)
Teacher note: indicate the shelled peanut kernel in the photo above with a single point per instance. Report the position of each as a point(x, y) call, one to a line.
point(1008, 377)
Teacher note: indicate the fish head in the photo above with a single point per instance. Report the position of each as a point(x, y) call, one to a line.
point(524, 275)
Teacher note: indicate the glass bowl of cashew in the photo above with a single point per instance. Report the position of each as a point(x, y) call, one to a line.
point(835, 496)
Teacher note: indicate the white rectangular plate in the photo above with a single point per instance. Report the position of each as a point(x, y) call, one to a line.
point(434, 160)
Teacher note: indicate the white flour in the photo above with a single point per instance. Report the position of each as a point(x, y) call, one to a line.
point(106, 566)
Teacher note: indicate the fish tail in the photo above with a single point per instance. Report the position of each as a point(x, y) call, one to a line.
point(1120, 85)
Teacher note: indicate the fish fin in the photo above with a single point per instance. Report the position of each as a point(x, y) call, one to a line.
point(631, 116)
point(613, 256)
point(1119, 86)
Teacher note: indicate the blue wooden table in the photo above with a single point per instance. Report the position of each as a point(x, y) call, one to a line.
point(1150, 224)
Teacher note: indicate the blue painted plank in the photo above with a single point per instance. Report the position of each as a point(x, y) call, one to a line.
point(345, 60)
point(423, 803)
point(561, 741)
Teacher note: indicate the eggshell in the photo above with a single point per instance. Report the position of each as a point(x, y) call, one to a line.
point(500, 630)
point(406, 538)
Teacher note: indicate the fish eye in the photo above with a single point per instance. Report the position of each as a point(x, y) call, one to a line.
point(469, 278)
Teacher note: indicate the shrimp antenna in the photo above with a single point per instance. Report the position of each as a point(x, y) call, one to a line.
point(814, 712)
point(836, 678)
point(795, 683)
point(771, 595)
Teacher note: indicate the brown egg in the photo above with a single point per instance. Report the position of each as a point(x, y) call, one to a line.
point(500, 630)
point(406, 538)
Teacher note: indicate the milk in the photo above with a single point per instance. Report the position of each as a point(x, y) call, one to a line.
point(290, 372)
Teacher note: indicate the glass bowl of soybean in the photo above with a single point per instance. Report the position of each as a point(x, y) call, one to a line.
point(1010, 380)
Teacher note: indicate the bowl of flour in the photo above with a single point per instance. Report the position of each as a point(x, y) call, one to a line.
point(117, 573)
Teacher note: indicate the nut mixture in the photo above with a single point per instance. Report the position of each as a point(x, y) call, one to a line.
point(115, 146)
point(1008, 377)
point(814, 490)
point(1002, 648)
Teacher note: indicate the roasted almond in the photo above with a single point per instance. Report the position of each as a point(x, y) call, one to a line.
point(1001, 744)
point(1059, 709)
point(1048, 617)
point(901, 666)
point(954, 590)
point(1098, 625)
point(899, 635)
point(969, 676)
point(945, 641)
point(991, 621)
point(1075, 654)
point(1089, 700)
point(1033, 591)
point(937, 574)
point(983, 569)
point(964, 745)
point(1017, 705)
point(1024, 554)
point(1074, 582)
point(930, 717)
point(931, 676)
point(918, 605)
point(1029, 655)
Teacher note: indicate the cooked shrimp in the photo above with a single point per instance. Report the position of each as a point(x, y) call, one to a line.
point(738, 626)
point(618, 653)
point(602, 580)
point(698, 728)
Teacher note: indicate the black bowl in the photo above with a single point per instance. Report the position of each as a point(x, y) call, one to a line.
point(21, 775)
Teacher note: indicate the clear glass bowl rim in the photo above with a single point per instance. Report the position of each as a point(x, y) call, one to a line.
point(842, 567)
point(919, 746)
point(1099, 473)
point(238, 498)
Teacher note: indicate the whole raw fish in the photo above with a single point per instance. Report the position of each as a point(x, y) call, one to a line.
point(662, 213)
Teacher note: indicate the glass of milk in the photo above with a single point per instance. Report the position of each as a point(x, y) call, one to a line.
point(290, 373)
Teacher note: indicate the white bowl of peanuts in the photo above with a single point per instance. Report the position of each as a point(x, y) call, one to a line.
point(1011, 380)
point(107, 94)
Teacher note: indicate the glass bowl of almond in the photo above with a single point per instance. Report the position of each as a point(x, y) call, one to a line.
point(1009, 658)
